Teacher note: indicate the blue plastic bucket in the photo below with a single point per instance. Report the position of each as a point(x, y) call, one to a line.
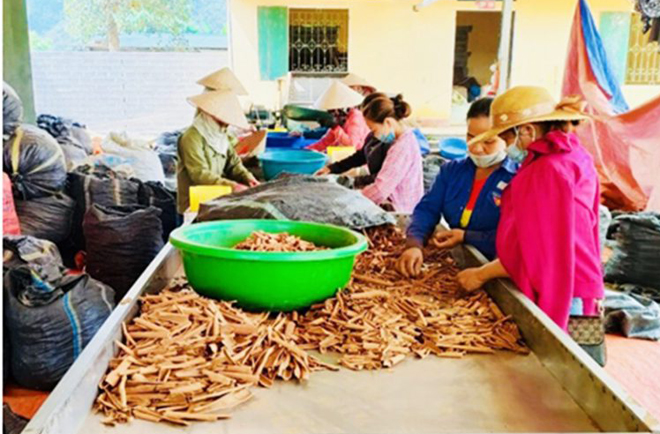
point(453, 148)
point(291, 161)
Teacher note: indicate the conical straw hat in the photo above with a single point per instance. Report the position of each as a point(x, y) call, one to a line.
point(338, 96)
point(355, 80)
point(222, 105)
point(224, 79)
point(529, 104)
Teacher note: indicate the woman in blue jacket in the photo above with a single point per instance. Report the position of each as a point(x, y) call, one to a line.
point(466, 193)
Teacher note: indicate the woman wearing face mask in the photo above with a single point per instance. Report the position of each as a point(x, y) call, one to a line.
point(466, 193)
point(349, 128)
point(372, 155)
point(547, 240)
point(399, 182)
point(206, 150)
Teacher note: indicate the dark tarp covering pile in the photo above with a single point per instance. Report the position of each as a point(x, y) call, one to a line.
point(12, 111)
point(35, 163)
point(49, 316)
point(632, 315)
point(636, 257)
point(48, 218)
point(303, 198)
point(121, 242)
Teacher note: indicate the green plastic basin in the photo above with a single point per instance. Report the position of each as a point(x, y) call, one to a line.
point(267, 280)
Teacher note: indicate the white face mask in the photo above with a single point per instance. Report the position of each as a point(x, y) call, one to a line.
point(489, 160)
point(515, 151)
point(215, 135)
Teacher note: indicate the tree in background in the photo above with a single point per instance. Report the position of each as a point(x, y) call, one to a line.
point(89, 20)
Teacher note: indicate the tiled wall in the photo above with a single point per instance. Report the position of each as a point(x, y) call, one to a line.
point(142, 93)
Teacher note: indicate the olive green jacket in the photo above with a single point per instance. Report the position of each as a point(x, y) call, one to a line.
point(200, 164)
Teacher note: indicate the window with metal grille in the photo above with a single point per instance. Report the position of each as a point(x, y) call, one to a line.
point(318, 40)
point(643, 56)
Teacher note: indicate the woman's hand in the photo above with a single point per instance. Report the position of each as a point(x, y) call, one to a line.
point(448, 239)
point(471, 279)
point(323, 171)
point(239, 187)
point(254, 183)
point(410, 262)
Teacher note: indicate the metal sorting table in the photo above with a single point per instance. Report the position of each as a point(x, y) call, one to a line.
point(556, 388)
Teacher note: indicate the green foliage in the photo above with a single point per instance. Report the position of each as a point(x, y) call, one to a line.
point(92, 19)
point(40, 43)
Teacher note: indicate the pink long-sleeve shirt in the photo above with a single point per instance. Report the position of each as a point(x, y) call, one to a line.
point(400, 180)
point(547, 238)
point(352, 133)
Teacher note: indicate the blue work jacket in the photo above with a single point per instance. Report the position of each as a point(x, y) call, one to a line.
point(449, 196)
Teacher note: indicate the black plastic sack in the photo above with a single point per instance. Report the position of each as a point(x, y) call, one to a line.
point(303, 198)
point(42, 255)
point(636, 257)
point(12, 111)
point(121, 242)
point(74, 138)
point(48, 217)
point(98, 185)
point(35, 163)
point(47, 336)
point(155, 194)
point(632, 315)
point(49, 316)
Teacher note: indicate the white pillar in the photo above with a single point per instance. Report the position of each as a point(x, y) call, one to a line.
point(504, 54)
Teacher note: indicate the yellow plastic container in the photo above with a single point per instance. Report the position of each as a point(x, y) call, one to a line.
point(202, 193)
point(338, 153)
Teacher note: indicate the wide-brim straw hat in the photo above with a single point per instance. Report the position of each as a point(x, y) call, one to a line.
point(522, 105)
point(338, 96)
point(355, 80)
point(223, 79)
point(222, 105)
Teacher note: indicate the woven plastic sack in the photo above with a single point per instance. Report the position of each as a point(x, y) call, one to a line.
point(12, 111)
point(303, 198)
point(121, 242)
point(48, 218)
point(157, 195)
point(141, 157)
point(35, 163)
point(636, 257)
point(49, 316)
point(89, 185)
point(10, 224)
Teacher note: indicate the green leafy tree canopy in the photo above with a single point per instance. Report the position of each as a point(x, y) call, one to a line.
point(89, 20)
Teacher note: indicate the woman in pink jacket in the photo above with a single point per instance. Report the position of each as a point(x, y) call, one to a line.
point(547, 238)
point(350, 128)
point(399, 183)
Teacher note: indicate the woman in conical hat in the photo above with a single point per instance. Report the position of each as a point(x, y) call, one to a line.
point(358, 84)
point(350, 129)
point(206, 149)
point(223, 79)
point(547, 238)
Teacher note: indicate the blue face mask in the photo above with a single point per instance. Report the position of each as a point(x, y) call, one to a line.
point(514, 151)
point(387, 138)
